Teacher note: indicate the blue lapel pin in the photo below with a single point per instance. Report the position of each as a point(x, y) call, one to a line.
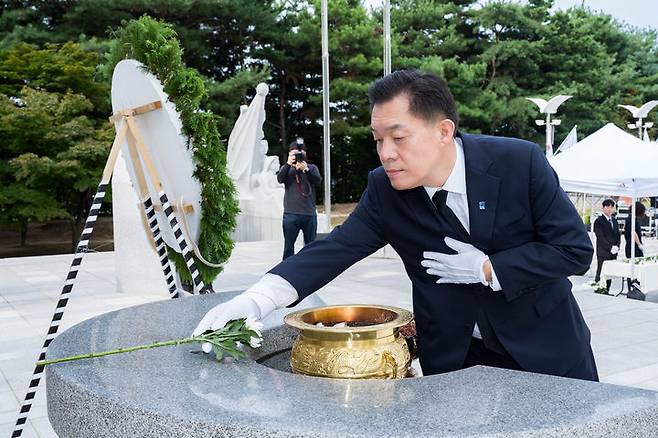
point(483, 205)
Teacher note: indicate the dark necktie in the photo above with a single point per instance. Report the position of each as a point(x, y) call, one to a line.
point(449, 216)
point(489, 337)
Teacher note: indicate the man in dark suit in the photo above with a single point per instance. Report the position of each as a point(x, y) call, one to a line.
point(485, 233)
point(608, 238)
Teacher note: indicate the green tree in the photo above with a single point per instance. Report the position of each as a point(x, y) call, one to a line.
point(296, 69)
point(56, 68)
point(20, 205)
point(428, 28)
point(493, 54)
point(52, 158)
point(442, 37)
point(221, 40)
point(30, 22)
point(510, 44)
point(54, 143)
point(224, 98)
point(585, 58)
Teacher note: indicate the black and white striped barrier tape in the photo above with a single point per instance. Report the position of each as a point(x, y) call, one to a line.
point(160, 247)
point(81, 249)
point(197, 282)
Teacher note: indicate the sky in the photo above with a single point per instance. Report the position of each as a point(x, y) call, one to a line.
point(641, 13)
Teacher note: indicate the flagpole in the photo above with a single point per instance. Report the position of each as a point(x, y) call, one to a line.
point(325, 113)
point(387, 37)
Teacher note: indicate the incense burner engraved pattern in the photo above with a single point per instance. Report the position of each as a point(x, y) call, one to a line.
point(388, 360)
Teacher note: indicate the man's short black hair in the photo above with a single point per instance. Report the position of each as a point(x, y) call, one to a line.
point(608, 203)
point(429, 95)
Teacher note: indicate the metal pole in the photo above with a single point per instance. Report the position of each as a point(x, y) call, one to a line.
point(585, 208)
point(325, 112)
point(633, 241)
point(639, 128)
point(387, 37)
point(549, 145)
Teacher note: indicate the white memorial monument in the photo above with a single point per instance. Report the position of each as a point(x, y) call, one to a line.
point(254, 175)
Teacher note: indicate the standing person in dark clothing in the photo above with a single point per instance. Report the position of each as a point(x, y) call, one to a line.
point(608, 239)
point(640, 209)
point(299, 177)
point(487, 237)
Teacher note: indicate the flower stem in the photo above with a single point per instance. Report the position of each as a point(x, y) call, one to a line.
point(123, 350)
point(223, 340)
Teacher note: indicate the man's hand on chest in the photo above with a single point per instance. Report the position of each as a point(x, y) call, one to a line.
point(465, 267)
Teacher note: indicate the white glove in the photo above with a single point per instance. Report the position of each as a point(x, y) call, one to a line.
point(614, 249)
point(238, 307)
point(465, 267)
point(641, 247)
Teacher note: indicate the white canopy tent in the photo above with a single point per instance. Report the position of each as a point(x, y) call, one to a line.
point(610, 162)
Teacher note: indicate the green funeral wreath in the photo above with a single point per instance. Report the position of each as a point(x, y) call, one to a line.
point(155, 44)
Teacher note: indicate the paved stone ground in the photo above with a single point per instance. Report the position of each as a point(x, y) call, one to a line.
point(625, 332)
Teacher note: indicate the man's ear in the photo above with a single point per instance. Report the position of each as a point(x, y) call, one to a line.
point(446, 129)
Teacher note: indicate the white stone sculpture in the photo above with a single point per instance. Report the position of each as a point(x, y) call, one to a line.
point(254, 174)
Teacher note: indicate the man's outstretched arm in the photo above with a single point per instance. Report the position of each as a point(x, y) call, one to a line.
point(307, 271)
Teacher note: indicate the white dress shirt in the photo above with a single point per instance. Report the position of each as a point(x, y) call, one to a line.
point(457, 199)
point(274, 292)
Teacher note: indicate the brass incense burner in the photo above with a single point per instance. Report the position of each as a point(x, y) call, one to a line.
point(351, 342)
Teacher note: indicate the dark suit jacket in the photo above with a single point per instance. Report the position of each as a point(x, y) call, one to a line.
point(519, 216)
point(606, 237)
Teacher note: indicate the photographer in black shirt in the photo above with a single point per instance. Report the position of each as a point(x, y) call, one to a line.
point(299, 213)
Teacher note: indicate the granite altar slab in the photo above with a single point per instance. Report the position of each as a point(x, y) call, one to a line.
point(177, 392)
